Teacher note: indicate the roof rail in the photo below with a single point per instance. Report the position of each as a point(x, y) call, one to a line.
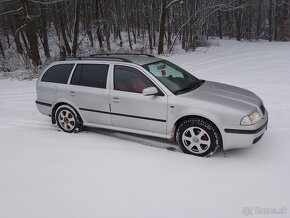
point(120, 54)
point(96, 58)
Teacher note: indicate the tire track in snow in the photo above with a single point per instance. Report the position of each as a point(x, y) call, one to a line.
point(18, 96)
point(23, 100)
point(7, 123)
point(18, 108)
point(139, 139)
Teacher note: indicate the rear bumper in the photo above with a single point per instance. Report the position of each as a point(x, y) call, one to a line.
point(244, 136)
point(43, 107)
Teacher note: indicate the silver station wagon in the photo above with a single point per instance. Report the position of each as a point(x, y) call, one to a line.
point(147, 95)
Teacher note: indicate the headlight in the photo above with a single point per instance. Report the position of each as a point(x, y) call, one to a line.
point(251, 119)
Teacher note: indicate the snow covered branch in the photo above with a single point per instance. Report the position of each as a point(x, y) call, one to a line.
point(46, 3)
point(19, 10)
point(173, 2)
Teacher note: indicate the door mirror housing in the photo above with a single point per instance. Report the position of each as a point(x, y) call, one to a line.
point(150, 91)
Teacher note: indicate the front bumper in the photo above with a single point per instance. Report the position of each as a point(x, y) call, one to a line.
point(244, 136)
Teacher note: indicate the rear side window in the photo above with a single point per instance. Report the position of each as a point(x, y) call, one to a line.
point(58, 73)
point(91, 75)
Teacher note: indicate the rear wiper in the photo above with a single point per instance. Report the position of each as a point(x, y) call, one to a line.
point(190, 88)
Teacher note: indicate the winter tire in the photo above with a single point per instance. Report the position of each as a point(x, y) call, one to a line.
point(199, 137)
point(67, 119)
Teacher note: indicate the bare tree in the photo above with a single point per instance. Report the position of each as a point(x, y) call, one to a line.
point(259, 19)
point(43, 30)
point(2, 49)
point(76, 27)
point(162, 26)
point(270, 14)
point(27, 26)
point(31, 34)
point(60, 13)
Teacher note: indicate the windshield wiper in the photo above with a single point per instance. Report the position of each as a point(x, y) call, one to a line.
point(190, 88)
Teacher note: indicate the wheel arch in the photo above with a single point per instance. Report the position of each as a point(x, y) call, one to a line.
point(185, 117)
point(57, 105)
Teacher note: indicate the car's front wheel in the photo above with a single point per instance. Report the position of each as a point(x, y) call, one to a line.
point(198, 136)
point(68, 119)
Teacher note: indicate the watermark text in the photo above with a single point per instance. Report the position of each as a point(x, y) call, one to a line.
point(254, 211)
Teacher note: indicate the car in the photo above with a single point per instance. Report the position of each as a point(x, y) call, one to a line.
point(144, 94)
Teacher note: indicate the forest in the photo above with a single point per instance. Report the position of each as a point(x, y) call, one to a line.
point(31, 29)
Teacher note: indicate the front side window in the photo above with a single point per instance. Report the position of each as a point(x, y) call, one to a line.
point(91, 75)
point(173, 77)
point(130, 80)
point(58, 73)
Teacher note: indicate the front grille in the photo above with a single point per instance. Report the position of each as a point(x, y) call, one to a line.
point(262, 109)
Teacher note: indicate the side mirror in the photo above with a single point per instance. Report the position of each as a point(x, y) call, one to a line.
point(150, 91)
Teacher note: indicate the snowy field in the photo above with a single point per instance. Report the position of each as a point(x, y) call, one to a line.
point(45, 173)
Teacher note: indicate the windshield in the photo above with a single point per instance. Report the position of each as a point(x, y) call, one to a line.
point(173, 77)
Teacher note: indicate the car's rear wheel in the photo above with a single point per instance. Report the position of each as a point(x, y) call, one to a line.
point(68, 119)
point(198, 136)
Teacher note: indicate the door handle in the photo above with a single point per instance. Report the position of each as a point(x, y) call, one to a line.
point(116, 100)
point(72, 93)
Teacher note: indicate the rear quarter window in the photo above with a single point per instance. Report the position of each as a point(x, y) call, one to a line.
point(58, 73)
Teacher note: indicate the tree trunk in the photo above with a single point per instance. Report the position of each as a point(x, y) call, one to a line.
point(76, 28)
point(99, 31)
point(107, 25)
point(238, 16)
point(162, 27)
point(276, 20)
point(8, 40)
point(259, 20)
point(133, 32)
point(283, 24)
point(62, 29)
point(148, 25)
point(153, 3)
point(31, 34)
point(2, 49)
point(24, 41)
point(89, 22)
point(128, 25)
point(220, 24)
point(169, 28)
point(43, 16)
point(118, 14)
point(270, 19)
point(18, 44)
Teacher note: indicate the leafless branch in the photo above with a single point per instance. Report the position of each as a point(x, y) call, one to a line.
point(46, 3)
point(19, 10)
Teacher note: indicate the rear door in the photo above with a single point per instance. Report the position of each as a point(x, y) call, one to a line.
point(130, 108)
point(88, 90)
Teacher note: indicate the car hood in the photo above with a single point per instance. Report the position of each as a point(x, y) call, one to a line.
point(224, 94)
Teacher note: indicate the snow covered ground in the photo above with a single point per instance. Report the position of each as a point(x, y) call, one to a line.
point(47, 173)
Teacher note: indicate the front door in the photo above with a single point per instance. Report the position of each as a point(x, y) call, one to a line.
point(130, 108)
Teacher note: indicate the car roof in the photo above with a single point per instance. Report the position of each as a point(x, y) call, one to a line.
point(140, 59)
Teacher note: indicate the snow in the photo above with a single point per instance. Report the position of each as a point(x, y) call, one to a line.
point(97, 173)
